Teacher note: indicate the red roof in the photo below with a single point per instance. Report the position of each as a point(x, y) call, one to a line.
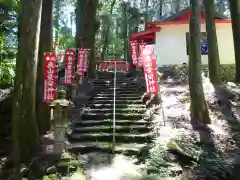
point(179, 18)
point(183, 17)
point(147, 35)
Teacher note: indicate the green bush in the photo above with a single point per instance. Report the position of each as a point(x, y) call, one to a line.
point(227, 72)
point(7, 72)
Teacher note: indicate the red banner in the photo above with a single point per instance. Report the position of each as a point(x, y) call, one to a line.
point(140, 58)
point(82, 53)
point(150, 69)
point(134, 52)
point(50, 77)
point(69, 66)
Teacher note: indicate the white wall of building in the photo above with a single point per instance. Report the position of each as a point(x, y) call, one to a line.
point(170, 44)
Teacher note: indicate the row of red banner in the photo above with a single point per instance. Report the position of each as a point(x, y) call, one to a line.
point(50, 70)
point(143, 56)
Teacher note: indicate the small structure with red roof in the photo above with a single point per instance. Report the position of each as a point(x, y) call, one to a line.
point(170, 38)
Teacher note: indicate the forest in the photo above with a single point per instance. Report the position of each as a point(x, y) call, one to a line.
point(117, 130)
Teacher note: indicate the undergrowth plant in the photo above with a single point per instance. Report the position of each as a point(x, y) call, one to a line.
point(7, 72)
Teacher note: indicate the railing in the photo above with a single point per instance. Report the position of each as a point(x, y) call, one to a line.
point(113, 66)
point(114, 107)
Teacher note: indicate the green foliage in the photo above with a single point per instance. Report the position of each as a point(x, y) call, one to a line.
point(9, 3)
point(7, 72)
point(51, 177)
point(227, 72)
point(78, 175)
point(66, 40)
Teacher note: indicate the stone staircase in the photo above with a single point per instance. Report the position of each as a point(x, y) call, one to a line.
point(94, 132)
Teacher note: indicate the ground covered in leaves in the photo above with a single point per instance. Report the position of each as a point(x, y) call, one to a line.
point(215, 147)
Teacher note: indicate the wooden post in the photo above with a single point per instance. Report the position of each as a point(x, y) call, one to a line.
point(60, 121)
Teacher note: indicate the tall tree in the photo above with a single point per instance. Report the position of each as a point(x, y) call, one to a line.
point(212, 43)
point(80, 19)
point(91, 25)
point(175, 6)
point(124, 8)
point(221, 6)
point(199, 110)
point(57, 19)
point(45, 45)
point(107, 30)
point(146, 13)
point(235, 16)
point(25, 129)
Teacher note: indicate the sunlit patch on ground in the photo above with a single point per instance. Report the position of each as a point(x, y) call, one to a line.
point(176, 103)
point(121, 167)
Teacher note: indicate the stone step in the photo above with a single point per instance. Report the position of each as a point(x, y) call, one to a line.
point(102, 116)
point(118, 105)
point(118, 90)
point(119, 137)
point(110, 94)
point(117, 97)
point(118, 93)
point(118, 84)
point(117, 101)
point(109, 129)
point(109, 122)
point(111, 85)
point(110, 81)
point(117, 110)
point(129, 149)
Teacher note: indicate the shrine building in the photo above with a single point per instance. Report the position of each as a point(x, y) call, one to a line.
point(170, 38)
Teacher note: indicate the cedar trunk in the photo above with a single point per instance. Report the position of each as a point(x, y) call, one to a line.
point(106, 36)
point(199, 110)
point(213, 55)
point(124, 32)
point(25, 128)
point(90, 28)
point(45, 45)
point(235, 16)
point(80, 18)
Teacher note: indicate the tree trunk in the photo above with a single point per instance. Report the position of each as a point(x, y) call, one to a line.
point(177, 6)
point(161, 9)
point(80, 19)
point(105, 41)
point(25, 129)
point(199, 110)
point(57, 19)
point(221, 7)
point(124, 30)
point(90, 27)
point(235, 16)
point(45, 45)
point(212, 43)
point(146, 14)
